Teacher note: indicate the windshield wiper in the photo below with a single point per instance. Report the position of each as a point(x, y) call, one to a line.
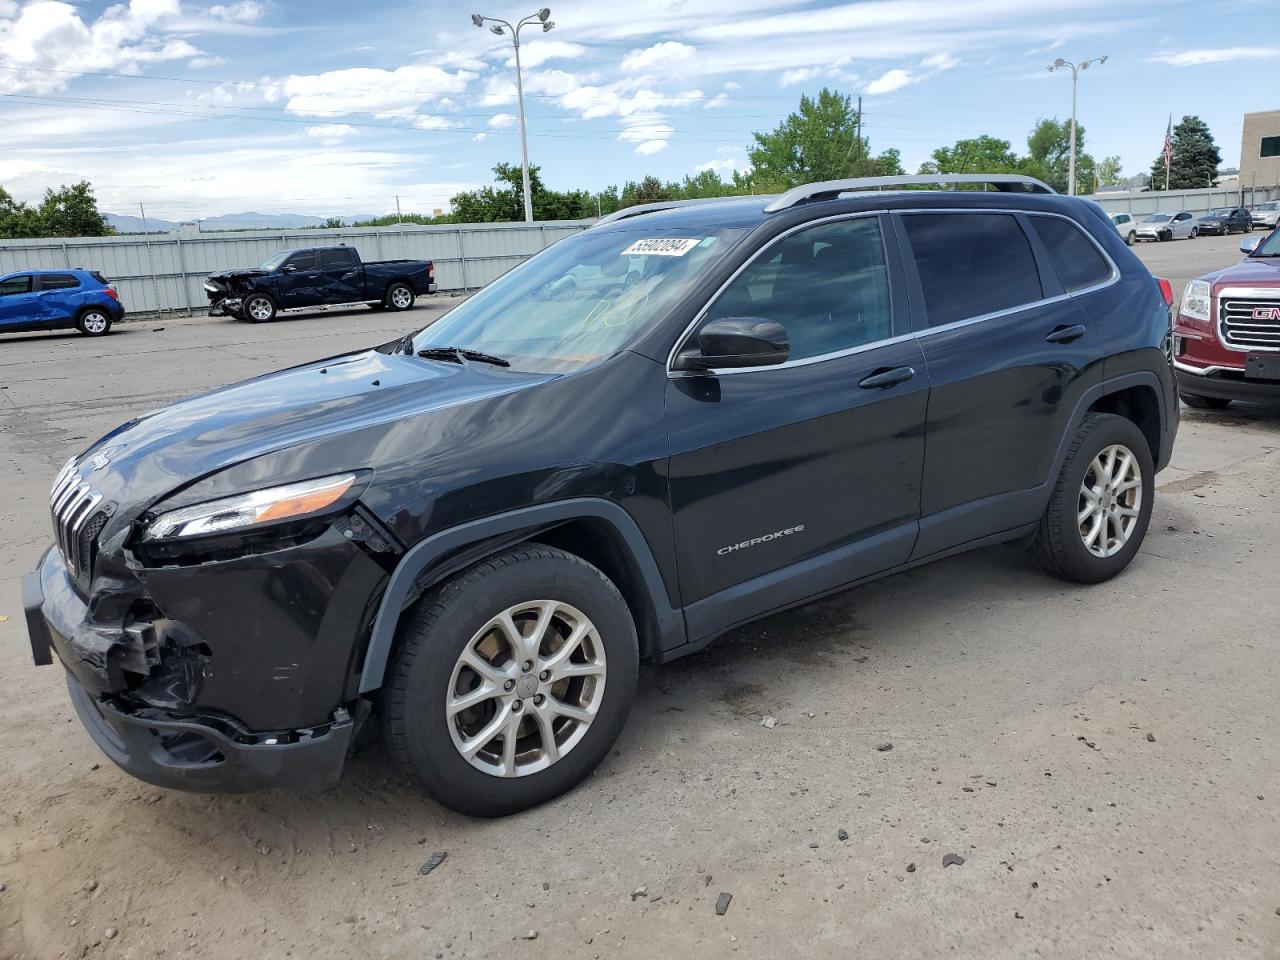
point(461, 355)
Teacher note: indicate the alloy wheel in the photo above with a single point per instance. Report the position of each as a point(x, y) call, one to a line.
point(401, 298)
point(526, 688)
point(1110, 501)
point(94, 322)
point(259, 308)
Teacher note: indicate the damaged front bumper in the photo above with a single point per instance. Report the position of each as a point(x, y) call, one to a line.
point(226, 307)
point(225, 676)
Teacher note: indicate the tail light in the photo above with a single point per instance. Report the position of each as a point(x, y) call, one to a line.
point(111, 292)
point(1166, 290)
point(431, 270)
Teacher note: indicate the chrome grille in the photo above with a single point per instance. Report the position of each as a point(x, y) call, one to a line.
point(73, 502)
point(1250, 323)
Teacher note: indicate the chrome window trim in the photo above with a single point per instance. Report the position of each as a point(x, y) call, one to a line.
point(804, 361)
point(1247, 293)
point(918, 335)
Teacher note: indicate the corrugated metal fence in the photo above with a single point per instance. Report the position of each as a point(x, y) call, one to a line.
point(163, 272)
point(1197, 201)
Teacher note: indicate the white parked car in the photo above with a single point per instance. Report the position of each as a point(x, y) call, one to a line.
point(1126, 225)
point(1266, 215)
point(1167, 226)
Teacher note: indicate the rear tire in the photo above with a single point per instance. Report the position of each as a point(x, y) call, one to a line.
point(1101, 504)
point(1204, 403)
point(399, 296)
point(460, 682)
point(258, 308)
point(93, 322)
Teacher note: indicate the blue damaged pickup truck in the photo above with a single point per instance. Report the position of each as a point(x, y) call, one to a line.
point(319, 276)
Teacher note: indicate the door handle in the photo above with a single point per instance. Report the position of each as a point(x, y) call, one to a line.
point(1066, 334)
point(883, 379)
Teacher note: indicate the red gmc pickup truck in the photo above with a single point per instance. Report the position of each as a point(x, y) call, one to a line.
point(1226, 339)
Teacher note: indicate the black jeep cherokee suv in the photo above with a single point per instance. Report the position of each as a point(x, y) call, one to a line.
point(681, 419)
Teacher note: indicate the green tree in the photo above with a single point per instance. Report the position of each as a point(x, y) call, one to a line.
point(821, 141)
point(1195, 158)
point(1049, 152)
point(66, 212)
point(1109, 172)
point(982, 154)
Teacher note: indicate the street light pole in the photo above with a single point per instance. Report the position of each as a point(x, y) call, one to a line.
point(500, 27)
point(1075, 73)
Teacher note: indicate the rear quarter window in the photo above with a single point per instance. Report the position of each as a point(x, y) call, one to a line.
point(1077, 260)
point(972, 264)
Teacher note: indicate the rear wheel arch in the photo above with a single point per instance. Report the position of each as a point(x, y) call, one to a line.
point(597, 531)
point(1140, 404)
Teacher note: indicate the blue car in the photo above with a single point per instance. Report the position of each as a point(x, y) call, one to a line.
point(58, 299)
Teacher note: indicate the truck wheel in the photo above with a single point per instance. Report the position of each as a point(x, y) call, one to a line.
point(512, 681)
point(1204, 403)
point(399, 296)
point(94, 323)
point(259, 308)
point(1101, 504)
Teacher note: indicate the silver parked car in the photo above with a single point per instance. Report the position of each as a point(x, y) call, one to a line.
point(1126, 225)
point(1265, 215)
point(1167, 226)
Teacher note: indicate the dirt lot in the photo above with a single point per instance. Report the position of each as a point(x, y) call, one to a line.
point(1106, 760)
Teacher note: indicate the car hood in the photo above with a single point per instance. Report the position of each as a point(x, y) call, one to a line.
point(1251, 271)
point(238, 274)
point(149, 458)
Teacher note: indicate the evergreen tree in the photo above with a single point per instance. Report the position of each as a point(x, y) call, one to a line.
point(1195, 158)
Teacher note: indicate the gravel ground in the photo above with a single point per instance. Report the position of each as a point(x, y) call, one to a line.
point(1105, 760)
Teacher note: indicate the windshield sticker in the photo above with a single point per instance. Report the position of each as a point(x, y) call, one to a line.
point(661, 247)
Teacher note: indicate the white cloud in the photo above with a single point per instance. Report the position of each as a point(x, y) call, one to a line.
point(45, 44)
point(204, 63)
point(719, 100)
point(667, 51)
point(479, 137)
point(650, 147)
point(431, 121)
point(385, 93)
point(245, 11)
point(720, 165)
point(331, 131)
point(799, 75)
point(1196, 58)
point(894, 79)
point(732, 85)
point(500, 120)
point(537, 52)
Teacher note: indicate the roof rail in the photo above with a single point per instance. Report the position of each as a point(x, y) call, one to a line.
point(643, 208)
point(829, 189)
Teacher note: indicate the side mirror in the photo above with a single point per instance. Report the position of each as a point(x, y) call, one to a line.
point(736, 342)
point(288, 268)
point(1250, 244)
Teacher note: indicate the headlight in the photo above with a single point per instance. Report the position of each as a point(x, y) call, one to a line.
point(246, 510)
point(1195, 300)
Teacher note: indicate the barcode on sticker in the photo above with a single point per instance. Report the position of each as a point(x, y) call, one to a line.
point(661, 247)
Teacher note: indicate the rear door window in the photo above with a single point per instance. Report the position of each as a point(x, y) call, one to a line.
point(58, 281)
point(335, 259)
point(1078, 261)
point(972, 264)
point(15, 285)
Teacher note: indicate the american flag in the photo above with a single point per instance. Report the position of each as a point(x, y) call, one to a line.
point(1168, 142)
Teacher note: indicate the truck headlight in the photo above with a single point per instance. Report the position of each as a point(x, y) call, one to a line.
point(292, 501)
point(1195, 300)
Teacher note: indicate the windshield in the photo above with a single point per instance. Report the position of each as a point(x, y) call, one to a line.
point(1269, 247)
point(273, 261)
point(1157, 218)
point(581, 299)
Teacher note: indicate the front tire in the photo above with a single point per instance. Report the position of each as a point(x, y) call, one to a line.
point(1204, 403)
point(512, 681)
point(1195, 232)
point(258, 308)
point(1101, 504)
point(94, 323)
point(400, 296)
point(1128, 240)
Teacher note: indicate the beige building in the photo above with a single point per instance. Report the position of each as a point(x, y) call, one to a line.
point(1260, 149)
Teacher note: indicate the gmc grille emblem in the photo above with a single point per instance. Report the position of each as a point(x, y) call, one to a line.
point(1266, 313)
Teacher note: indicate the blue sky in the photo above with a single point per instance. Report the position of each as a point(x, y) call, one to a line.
point(334, 108)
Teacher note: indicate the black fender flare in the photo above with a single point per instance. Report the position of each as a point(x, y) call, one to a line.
point(427, 552)
point(1138, 378)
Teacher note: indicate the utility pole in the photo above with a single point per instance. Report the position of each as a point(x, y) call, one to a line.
point(497, 27)
point(1075, 71)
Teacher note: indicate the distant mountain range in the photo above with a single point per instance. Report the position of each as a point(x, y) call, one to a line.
point(124, 223)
